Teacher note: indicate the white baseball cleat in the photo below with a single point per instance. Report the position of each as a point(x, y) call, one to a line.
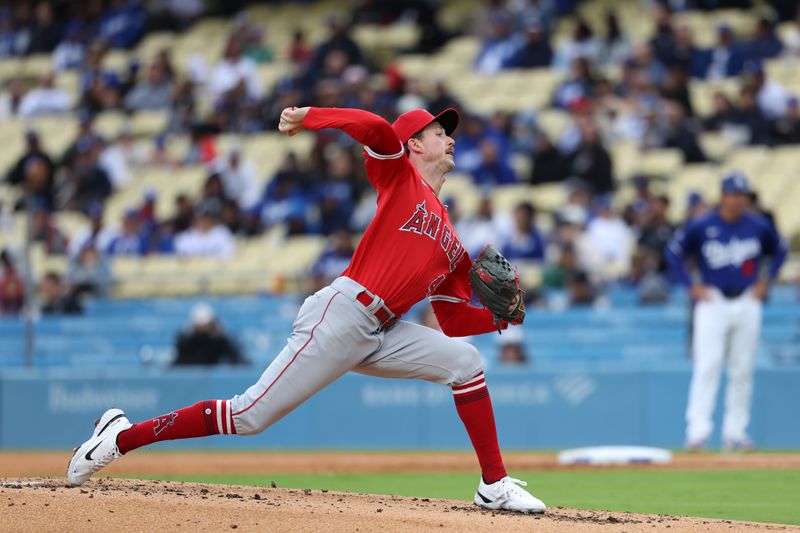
point(100, 450)
point(508, 494)
point(744, 445)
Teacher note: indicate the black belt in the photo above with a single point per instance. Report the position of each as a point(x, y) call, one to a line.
point(730, 294)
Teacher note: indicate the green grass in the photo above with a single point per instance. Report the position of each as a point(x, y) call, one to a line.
point(751, 495)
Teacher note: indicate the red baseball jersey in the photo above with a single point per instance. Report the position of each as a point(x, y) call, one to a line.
point(410, 249)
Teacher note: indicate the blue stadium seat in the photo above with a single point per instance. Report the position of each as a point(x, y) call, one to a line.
point(119, 333)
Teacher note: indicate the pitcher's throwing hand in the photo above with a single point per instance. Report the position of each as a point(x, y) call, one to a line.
point(291, 122)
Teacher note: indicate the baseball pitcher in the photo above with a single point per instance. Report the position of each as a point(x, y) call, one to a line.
point(728, 246)
point(410, 251)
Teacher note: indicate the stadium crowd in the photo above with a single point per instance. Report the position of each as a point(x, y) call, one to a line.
point(593, 239)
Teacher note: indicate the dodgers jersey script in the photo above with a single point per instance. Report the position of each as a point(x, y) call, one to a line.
point(728, 254)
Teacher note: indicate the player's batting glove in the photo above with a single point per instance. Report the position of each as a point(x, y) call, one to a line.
point(496, 284)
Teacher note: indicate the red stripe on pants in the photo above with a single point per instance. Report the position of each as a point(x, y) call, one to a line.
point(298, 352)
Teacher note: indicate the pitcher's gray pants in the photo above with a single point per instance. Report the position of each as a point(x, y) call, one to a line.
point(334, 334)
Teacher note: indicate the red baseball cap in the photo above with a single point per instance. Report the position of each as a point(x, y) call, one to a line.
point(416, 120)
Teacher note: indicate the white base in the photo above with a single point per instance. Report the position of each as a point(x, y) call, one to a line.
point(615, 455)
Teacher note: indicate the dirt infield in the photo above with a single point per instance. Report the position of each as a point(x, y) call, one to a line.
point(33, 503)
point(45, 504)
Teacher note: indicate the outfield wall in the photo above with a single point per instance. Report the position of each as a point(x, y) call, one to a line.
point(49, 408)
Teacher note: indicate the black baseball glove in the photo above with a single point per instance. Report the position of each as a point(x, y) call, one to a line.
point(496, 284)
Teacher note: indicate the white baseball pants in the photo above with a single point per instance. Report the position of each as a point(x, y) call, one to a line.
point(723, 328)
point(334, 334)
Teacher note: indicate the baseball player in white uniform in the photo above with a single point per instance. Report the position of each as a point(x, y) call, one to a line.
point(728, 246)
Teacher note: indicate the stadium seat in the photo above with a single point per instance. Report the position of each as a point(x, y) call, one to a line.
point(119, 61)
point(506, 198)
point(701, 93)
point(110, 124)
point(37, 65)
point(553, 122)
point(530, 273)
point(57, 132)
point(659, 162)
point(70, 81)
point(748, 159)
point(382, 42)
point(10, 68)
point(461, 188)
point(454, 16)
point(624, 155)
point(149, 123)
point(154, 42)
point(549, 197)
point(715, 145)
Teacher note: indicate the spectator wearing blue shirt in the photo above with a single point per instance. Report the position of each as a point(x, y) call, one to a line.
point(284, 198)
point(499, 46)
point(727, 58)
point(525, 241)
point(729, 246)
point(686, 54)
point(100, 87)
point(534, 51)
point(88, 182)
point(94, 71)
point(7, 37)
point(335, 195)
point(129, 240)
point(122, 25)
point(15, 29)
point(766, 44)
point(70, 53)
point(470, 136)
point(663, 42)
point(579, 86)
point(696, 206)
point(493, 169)
point(333, 260)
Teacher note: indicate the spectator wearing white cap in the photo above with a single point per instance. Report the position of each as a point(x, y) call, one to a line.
point(205, 341)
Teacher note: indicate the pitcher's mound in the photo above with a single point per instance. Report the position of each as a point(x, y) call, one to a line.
point(47, 504)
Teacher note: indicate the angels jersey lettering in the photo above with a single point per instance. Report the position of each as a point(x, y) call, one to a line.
point(410, 245)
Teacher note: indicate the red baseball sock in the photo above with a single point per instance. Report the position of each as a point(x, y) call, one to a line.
point(208, 417)
point(475, 409)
